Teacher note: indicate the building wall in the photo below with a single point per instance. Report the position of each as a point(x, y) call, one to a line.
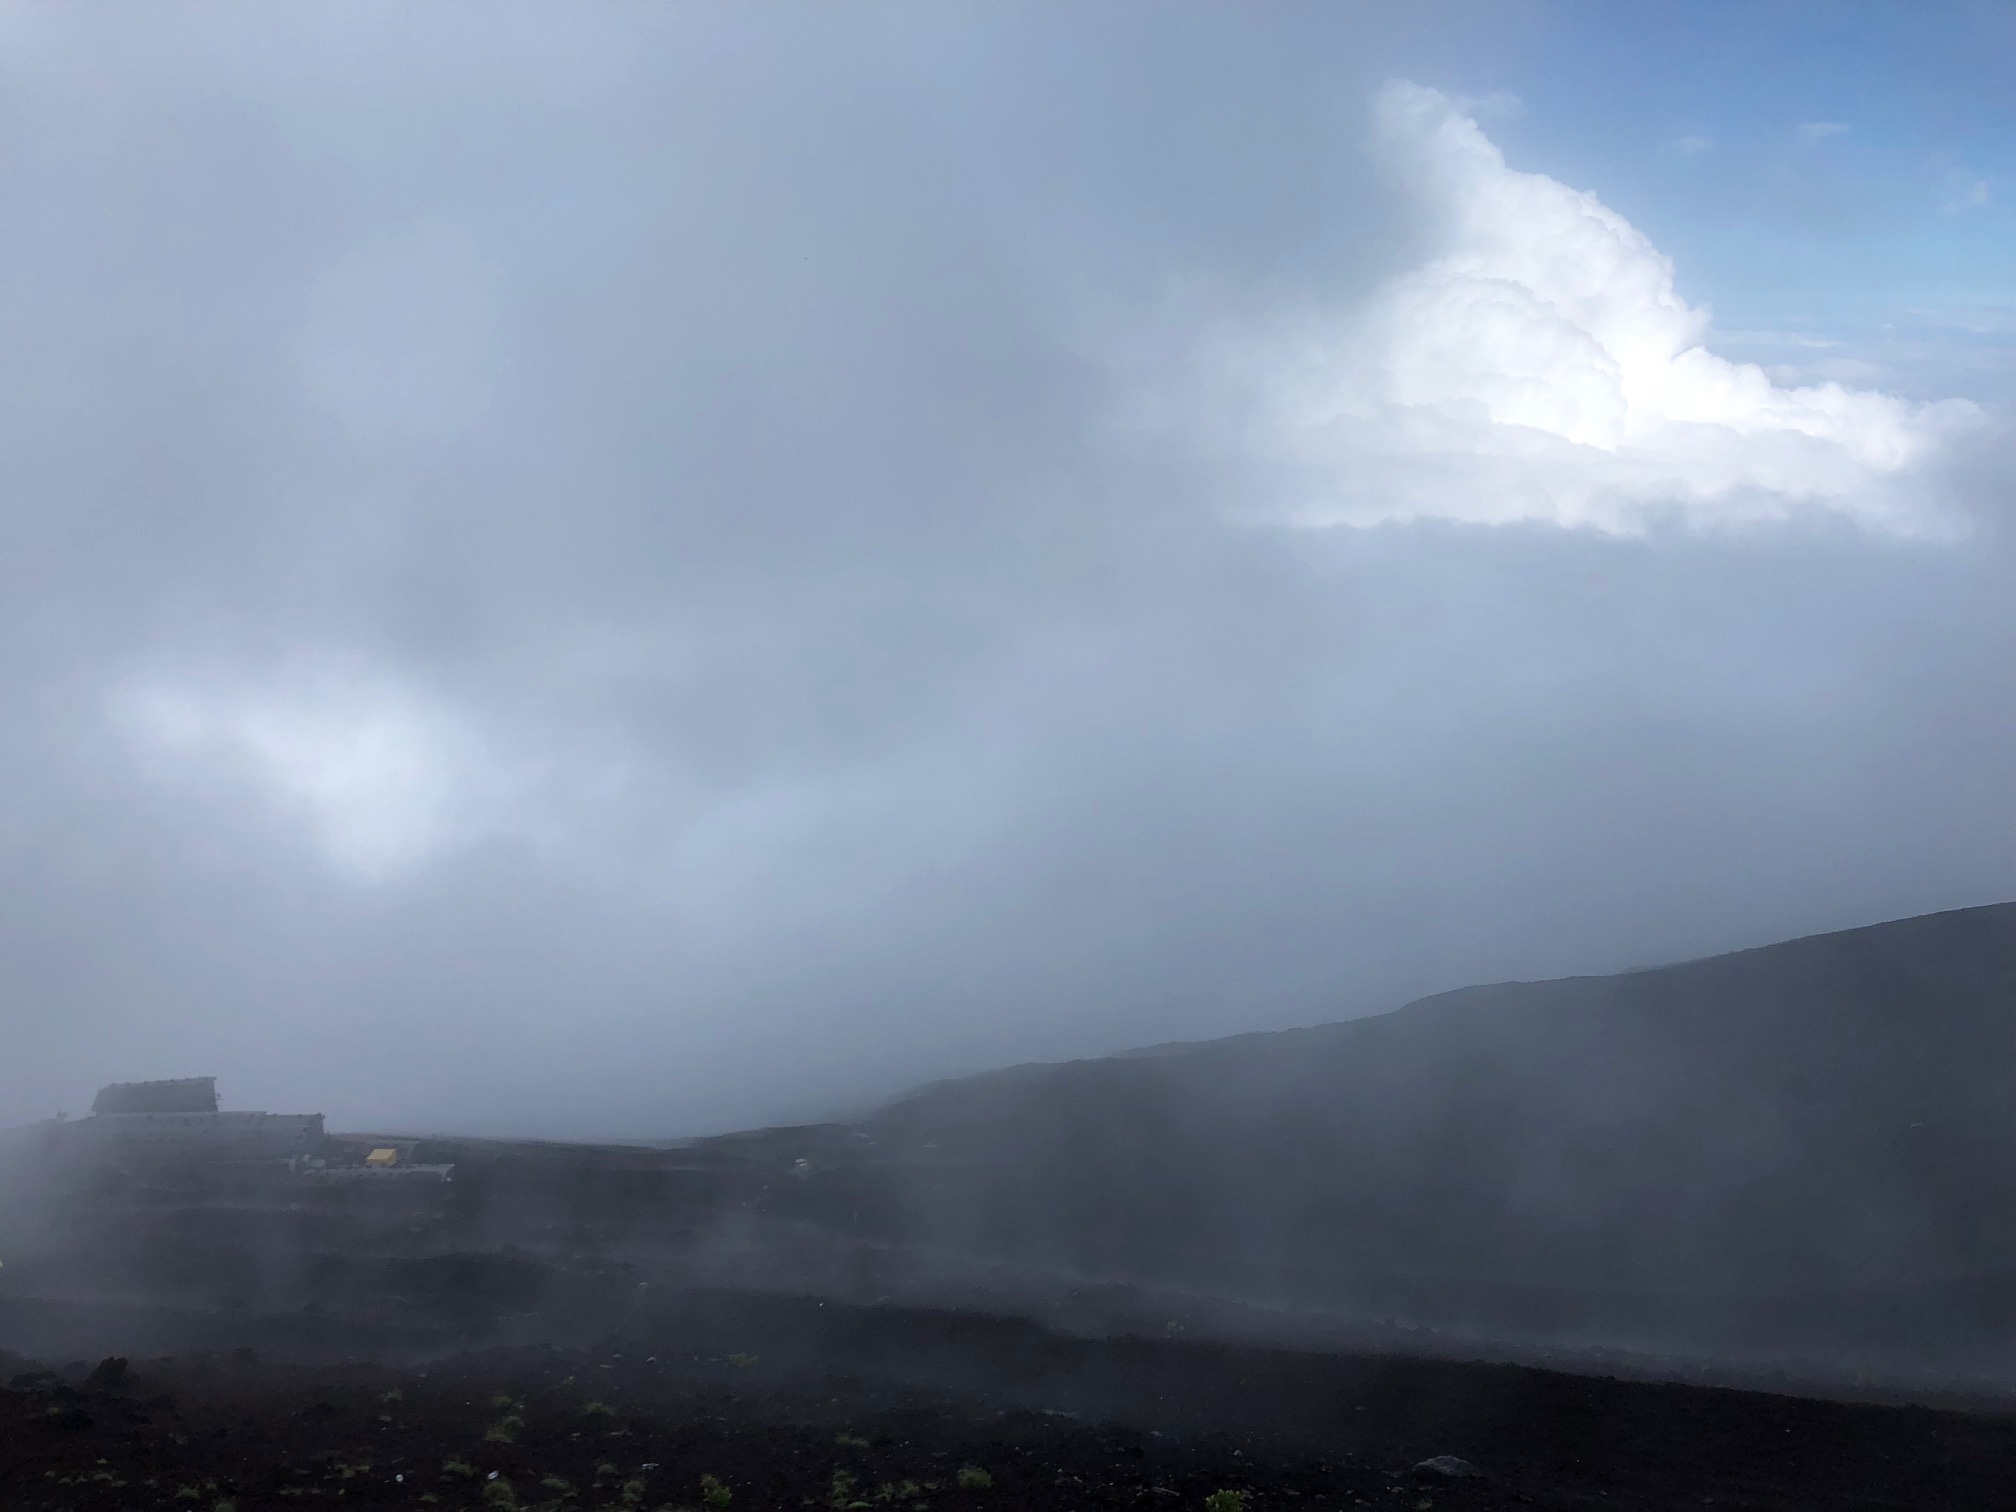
point(214, 1136)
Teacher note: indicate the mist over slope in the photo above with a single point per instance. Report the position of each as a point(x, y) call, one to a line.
point(1797, 1158)
point(1828, 1117)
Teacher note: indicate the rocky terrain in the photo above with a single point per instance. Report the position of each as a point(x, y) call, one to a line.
point(1548, 1228)
point(740, 1401)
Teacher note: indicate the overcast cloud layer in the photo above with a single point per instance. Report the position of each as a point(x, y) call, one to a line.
point(618, 573)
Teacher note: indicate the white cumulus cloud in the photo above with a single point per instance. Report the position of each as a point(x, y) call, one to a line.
point(1542, 366)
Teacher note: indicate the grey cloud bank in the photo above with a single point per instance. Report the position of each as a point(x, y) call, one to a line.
point(583, 578)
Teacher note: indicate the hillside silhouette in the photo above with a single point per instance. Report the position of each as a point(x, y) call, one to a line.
point(1816, 1136)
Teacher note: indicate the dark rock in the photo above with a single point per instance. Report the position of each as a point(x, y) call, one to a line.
point(1448, 1467)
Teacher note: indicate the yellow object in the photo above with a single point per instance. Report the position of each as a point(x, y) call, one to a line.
point(382, 1158)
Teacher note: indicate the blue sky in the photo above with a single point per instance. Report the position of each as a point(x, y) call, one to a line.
point(1689, 119)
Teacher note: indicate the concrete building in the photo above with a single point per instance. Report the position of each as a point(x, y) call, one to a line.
point(204, 1136)
point(179, 1120)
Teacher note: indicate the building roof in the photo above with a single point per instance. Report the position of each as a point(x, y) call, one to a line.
point(191, 1094)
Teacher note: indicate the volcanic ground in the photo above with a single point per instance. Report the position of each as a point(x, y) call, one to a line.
point(716, 1400)
point(1735, 1233)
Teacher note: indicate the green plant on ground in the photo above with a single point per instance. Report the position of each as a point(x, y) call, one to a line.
point(713, 1493)
point(1225, 1501)
point(555, 1483)
point(633, 1493)
point(598, 1409)
point(504, 1430)
point(457, 1467)
point(973, 1478)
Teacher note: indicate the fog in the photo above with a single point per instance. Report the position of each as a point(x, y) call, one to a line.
point(621, 573)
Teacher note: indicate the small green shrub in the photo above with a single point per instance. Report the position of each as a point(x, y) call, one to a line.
point(973, 1478)
point(713, 1493)
point(1225, 1501)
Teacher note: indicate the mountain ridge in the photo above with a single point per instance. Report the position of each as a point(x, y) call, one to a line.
point(1171, 1048)
point(1829, 1114)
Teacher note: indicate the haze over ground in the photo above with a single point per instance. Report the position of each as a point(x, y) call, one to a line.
point(622, 573)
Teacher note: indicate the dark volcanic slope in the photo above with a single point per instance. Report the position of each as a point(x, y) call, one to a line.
point(1808, 1144)
point(1800, 1158)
